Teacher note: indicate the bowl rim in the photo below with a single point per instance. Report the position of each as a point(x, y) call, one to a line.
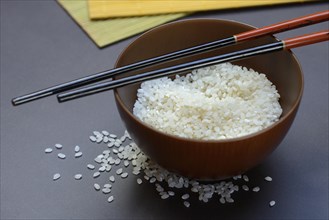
point(209, 141)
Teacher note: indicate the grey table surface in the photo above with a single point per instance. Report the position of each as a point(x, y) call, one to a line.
point(42, 46)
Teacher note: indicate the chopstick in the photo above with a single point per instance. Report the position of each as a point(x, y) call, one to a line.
point(183, 68)
point(271, 29)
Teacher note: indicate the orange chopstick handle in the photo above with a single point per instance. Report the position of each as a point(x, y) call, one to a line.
point(284, 26)
point(306, 39)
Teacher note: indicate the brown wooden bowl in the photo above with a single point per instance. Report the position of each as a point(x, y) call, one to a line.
point(199, 158)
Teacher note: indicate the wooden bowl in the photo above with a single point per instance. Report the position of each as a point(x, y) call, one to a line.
point(209, 160)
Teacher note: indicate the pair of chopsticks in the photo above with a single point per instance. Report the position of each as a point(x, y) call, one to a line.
point(183, 68)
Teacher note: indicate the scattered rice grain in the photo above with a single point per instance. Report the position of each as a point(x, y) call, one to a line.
point(78, 154)
point(106, 190)
point(112, 179)
point(139, 181)
point(124, 175)
point(140, 163)
point(245, 178)
point(119, 171)
point(58, 146)
point(245, 187)
point(107, 185)
point(48, 150)
point(152, 180)
point(110, 199)
point(165, 196)
point(61, 156)
point(256, 189)
point(108, 168)
point(97, 133)
point(56, 176)
point(185, 196)
point(268, 179)
point(126, 163)
point(98, 160)
point(77, 148)
point(90, 166)
point(106, 133)
point(102, 169)
point(78, 176)
point(97, 186)
point(96, 174)
point(186, 204)
point(92, 138)
point(222, 200)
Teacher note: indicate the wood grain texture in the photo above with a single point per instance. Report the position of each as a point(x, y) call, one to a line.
point(284, 26)
point(306, 39)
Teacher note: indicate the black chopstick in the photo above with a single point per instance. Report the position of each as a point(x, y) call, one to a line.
point(183, 68)
point(271, 29)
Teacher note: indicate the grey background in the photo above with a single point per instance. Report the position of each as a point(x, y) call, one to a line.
point(42, 46)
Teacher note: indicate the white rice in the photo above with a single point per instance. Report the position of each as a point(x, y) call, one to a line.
point(215, 102)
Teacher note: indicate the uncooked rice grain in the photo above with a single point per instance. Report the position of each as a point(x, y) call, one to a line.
point(97, 186)
point(106, 190)
point(107, 185)
point(113, 136)
point(48, 150)
point(216, 102)
point(245, 188)
point(90, 166)
point(96, 174)
point(165, 196)
point(126, 163)
point(61, 156)
point(185, 196)
point(78, 154)
point(186, 204)
point(139, 181)
point(256, 189)
point(124, 175)
point(102, 169)
point(78, 176)
point(56, 176)
point(58, 146)
point(119, 171)
point(106, 133)
point(268, 179)
point(112, 179)
point(110, 199)
point(92, 138)
point(76, 148)
point(167, 184)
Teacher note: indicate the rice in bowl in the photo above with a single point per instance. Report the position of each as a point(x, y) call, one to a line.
point(216, 102)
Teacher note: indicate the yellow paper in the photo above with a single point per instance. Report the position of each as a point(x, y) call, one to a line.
point(99, 9)
point(105, 32)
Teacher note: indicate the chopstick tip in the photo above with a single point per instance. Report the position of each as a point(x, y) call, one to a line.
point(15, 102)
